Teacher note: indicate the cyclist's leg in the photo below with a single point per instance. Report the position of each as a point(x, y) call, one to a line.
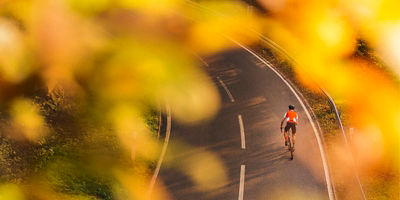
point(294, 134)
point(285, 133)
point(294, 138)
point(286, 137)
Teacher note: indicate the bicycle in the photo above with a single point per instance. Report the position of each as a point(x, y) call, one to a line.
point(290, 144)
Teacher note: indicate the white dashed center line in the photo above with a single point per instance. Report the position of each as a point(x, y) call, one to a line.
point(226, 89)
point(242, 136)
point(241, 184)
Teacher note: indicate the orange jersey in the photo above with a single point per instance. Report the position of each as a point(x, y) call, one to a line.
point(291, 116)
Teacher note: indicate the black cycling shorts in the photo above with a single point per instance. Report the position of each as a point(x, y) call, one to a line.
point(292, 126)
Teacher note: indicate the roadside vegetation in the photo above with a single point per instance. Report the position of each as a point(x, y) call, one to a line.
point(68, 157)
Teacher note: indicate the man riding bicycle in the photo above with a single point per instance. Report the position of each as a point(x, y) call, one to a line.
point(291, 119)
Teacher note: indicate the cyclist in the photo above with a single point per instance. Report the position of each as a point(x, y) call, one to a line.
point(291, 119)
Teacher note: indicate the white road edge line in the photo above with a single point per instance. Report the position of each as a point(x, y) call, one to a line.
point(162, 155)
point(242, 136)
point(226, 89)
point(324, 162)
point(241, 183)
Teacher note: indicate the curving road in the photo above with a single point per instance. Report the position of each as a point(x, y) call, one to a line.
point(245, 135)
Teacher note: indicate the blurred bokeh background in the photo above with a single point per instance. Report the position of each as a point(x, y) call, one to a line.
point(82, 84)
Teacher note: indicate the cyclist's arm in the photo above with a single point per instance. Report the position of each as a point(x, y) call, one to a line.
point(283, 119)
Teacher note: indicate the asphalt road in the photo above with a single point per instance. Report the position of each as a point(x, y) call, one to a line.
point(258, 167)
